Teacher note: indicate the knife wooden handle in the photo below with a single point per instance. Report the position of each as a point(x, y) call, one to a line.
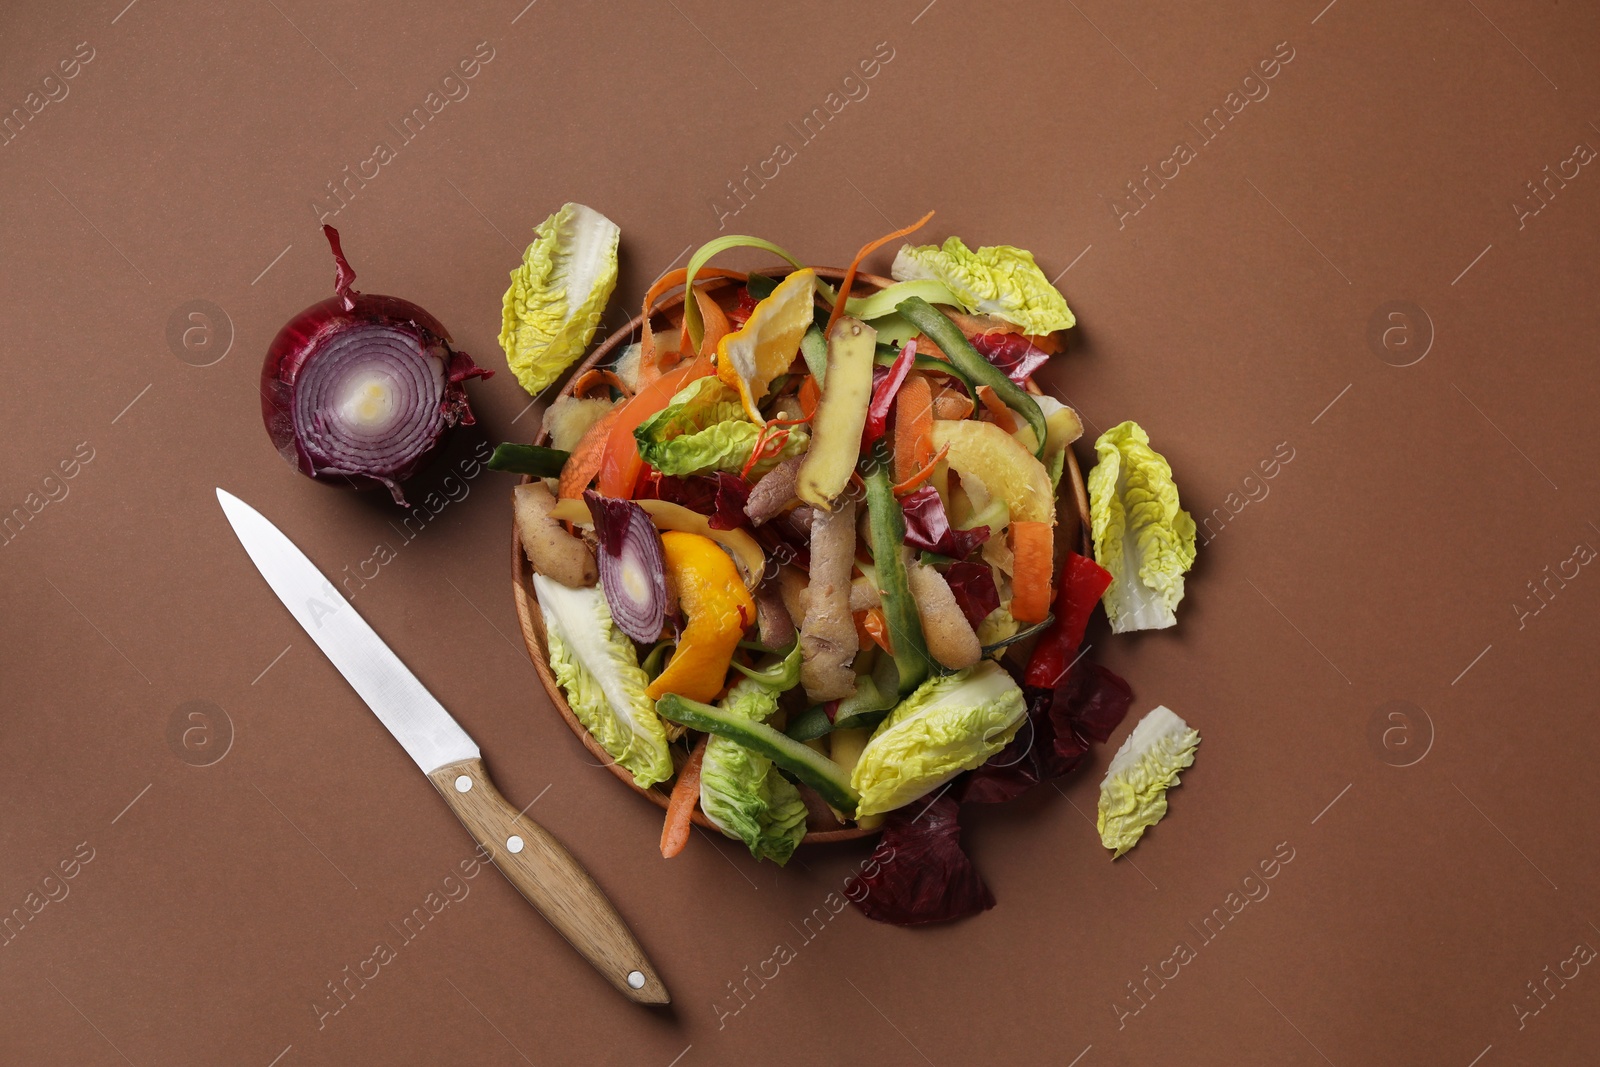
point(553, 882)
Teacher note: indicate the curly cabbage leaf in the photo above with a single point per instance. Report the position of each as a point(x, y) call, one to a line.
point(704, 429)
point(741, 792)
point(1133, 795)
point(599, 671)
point(558, 294)
point(999, 280)
point(1141, 535)
point(947, 725)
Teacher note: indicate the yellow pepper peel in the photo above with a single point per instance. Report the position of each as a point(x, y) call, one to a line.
point(718, 608)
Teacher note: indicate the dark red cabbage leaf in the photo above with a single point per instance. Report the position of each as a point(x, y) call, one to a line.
point(1012, 353)
point(694, 492)
point(974, 589)
point(928, 527)
point(785, 538)
point(720, 497)
point(728, 500)
point(918, 873)
point(739, 314)
point(1061, 726)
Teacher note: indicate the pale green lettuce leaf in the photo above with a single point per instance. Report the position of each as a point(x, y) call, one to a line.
point(704, 428)
point(598, 669)
point(1000, 280)
point(947, 725)
point(558, 294)
point(1133, 795)
point(739, 789)
point(1141, 535)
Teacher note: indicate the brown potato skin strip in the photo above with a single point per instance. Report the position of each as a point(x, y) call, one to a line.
point(950, 638)
point(864, 594)
point(792, 586)
point(553, 552)
point(774, 624)
point(828, 641)
point(773, 492)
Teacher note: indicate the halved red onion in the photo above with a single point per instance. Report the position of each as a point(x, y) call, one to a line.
point(360, 388)
point(633, 574)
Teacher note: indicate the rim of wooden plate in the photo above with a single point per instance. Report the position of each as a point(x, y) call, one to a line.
point(527, 605)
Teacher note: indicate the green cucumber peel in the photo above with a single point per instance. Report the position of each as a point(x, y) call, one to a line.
point(995, 514)
point(893, 328)
point(703, 255)
point(782, 675)
point(953, 343)
point(536, 460)
point(760, 285)
point(885, 301)
point(810, 724)
point(888, 523)
point(814, 349)
point(1055, 466)
point(656, 659)
point(876, 692)
point(829, 779)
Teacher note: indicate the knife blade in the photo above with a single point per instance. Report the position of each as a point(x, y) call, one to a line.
point(541, 869)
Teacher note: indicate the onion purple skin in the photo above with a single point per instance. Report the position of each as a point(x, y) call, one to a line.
point(412, 334)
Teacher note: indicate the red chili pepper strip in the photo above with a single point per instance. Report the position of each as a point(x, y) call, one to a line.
point(883, 397)
point(1083, 583)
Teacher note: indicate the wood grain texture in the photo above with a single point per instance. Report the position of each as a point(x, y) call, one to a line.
point(551, 879)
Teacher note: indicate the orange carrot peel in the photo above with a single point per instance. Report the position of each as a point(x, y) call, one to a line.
point(599, 376)
point(649, 365)
point(589, 454)
point(1032, 547)
point(680, 808)
point(922, 475)
point(997, 409)
point(913, 427)
point(855, 264)
point(620, 465)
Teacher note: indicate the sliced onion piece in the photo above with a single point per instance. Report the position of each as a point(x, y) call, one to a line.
point(744, 549)
point(633, 574)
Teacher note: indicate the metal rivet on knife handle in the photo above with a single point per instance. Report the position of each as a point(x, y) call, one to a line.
point(553, 881)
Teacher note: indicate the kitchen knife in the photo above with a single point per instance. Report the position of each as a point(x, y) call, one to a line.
point(536, 863)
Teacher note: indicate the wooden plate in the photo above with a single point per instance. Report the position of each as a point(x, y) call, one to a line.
point(669, 314)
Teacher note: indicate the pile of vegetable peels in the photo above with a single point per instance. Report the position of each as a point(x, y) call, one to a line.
point(812, 534)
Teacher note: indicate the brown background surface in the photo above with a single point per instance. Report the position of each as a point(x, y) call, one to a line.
point(1227, 316)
